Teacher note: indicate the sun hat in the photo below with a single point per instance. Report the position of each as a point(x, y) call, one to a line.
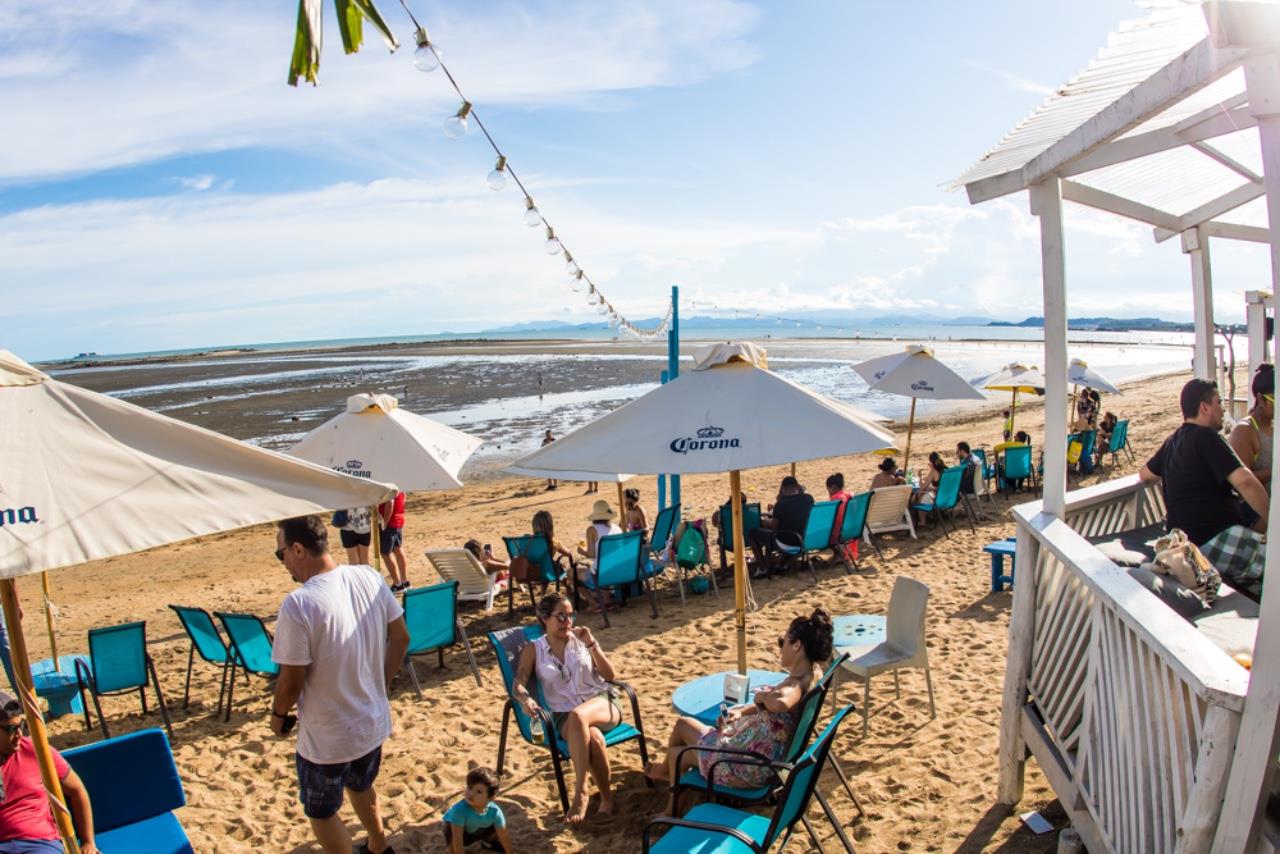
point(601, 512)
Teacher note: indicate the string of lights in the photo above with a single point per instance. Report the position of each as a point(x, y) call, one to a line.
point(427, 58)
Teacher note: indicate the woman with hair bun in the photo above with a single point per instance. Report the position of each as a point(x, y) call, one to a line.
point(762, 726)
point(1251, 438)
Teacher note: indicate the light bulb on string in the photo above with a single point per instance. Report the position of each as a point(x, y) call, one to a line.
point(576, 283)
point(532, 216)
point(570, 265)
point(552, 245)
point(427, 57)
point(455, 127)
point(498, 177)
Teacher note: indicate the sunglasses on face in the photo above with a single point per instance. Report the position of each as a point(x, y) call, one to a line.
point(564, 617)
point(783, 641)
point(1269, 398)
point(280, 555)
point(11, 729)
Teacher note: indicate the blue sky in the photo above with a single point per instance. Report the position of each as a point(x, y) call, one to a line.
point(161, 187)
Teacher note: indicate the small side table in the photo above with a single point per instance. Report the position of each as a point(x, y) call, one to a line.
point(998, 550)
point(58, 686)
point(701, 698)
point(858, 633)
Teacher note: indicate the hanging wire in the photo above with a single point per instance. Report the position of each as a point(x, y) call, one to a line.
point(593, 291)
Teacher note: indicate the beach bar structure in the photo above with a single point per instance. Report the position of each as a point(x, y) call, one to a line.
point(1153, 738)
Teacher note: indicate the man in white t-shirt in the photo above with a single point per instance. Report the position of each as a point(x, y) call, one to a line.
point(346, 619)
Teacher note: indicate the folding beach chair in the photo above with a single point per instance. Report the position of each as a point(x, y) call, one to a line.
point(750, 521)
point(853, 527)
point(712, 827)
point(206, 640)
point(118, 664)
point(988, 474)
point(948, 495)
point(618, 564)
point(250, 649)
point(816, 537)
point(1120, 442)
point(507, 644)
point(543, 569)
point(475, 584)
point(889, 510)
point(1017, 467)
point(431, 615)
point(663, 527)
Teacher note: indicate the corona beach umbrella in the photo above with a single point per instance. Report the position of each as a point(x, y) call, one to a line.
point(1079, 373)
point(84, 476)
point(1015, 377)
point(727, 414)
point(915, 373)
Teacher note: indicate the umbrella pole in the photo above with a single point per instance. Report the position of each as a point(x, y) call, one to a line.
point(793, 469)
point(911, 423)
point(739, 570)
point(1013, 413)
point(1075, 399)
point(48, 619)
point(39, 736)
point(375, 547)
point(621, 503)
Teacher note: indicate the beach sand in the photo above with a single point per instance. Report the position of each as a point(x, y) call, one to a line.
point(927, 785)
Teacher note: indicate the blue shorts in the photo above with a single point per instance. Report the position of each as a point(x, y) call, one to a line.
point(389, 539)
point(320, 786)
point(32, 846)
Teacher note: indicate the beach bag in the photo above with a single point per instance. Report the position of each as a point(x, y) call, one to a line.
point(1181, 559)
point(340, 519)
point(521, 569)
point(1074, 450)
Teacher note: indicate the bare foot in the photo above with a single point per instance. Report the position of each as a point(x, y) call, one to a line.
point(606, 803)
point(578, 810)
point(658, 772)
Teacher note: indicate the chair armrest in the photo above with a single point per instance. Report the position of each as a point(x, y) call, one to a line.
point(667, 821)
point(745, 757)
point(635, 703)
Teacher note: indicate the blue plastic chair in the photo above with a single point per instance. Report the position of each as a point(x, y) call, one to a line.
point(1120, 442)
point(988, 473)
point(206, 640)
point(134, 788)
point(801, 734)
point(663, 527)
point(947, 497)
point(118, 664)
point(431, 615)
point(1017, 466)
point(853, 527)
point(250, 649)
point(712, 827)
point(544, 569)
point(750, 522)
point(817, 536)
point(619, 563)
point(507, 644)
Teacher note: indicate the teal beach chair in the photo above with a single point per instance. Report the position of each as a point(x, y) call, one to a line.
point(507, 645)
point(1017, 467)
point(713, 827)
point(988, 473)
point(543, 568)
point(947, 497)
point(206, 640)
point(618, 564)
point(1120, 442)
point(250, 649)
point(431, 615)
point(816, 538)
point(750, 521)
point(853, 527)
point(118, 664)
point(663, 527)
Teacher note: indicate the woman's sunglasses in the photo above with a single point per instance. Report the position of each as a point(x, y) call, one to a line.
point(12, 729)
point(783, 641)
point(564, 617)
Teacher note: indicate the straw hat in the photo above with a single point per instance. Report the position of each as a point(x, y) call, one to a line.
point(601, 512)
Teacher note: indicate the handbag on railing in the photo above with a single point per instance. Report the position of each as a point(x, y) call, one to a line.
point(1182, 560)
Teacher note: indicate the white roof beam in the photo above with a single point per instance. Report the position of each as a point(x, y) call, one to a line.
point(1239, 99)
point(1231, 163)
point(1233, 231)
point(1211, 210)
point(1188, 73)
point(1164, 139)
point(1094, 198)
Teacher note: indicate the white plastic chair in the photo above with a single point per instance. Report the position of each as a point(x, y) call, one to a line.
point(474, 584)
point(890, 510)
point(904, 646)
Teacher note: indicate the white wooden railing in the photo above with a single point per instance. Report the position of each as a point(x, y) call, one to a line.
point(1129, 710)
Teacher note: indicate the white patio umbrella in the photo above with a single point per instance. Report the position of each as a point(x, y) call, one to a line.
point(727, 414)
point(915, 373)
point(84, 476)
point(1015, 377)
point(1079, 373)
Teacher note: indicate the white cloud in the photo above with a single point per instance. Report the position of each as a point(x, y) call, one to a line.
point(198, 183)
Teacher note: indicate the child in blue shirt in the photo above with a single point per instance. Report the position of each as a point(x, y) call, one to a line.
point(476, 818)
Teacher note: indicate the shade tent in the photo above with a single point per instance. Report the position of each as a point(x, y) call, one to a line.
point(915, 373)
point(727, 414)
point(375, 438)
point(84, 476)
point(1080, 374)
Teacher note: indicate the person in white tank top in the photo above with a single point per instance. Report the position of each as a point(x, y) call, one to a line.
point(602, 525)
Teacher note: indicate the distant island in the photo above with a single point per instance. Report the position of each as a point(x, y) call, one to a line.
point(1107, 324)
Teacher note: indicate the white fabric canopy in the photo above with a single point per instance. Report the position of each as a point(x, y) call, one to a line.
point(1079, 373)
point(726, 414)
point(84, 476)
point(916, 372)
point(1016, 377)
point(375, 438)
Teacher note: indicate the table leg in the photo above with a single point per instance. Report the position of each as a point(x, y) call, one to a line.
point(997, 567)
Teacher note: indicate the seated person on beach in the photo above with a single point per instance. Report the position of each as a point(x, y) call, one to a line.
point(484, 554)
point(543, 524)
point(26, 820)
point(1251, 438)
point(789, 517)
point(888, 474)
point(574, 673)
point(1106, 427)
point(928, 491)
point(835, 492)
point(602, 525)
point(971, 481)
point(762, 726)
point(476, 818)
point(1201, 476)
point(1021, 439)
point(1086, 410)
point(634, 516)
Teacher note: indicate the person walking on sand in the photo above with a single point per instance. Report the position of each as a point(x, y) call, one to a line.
point(340, 638)
point(391, 541)
point(547, 440)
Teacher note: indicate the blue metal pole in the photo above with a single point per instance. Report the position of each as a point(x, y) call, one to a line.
point(662, 478)
point(673, 367)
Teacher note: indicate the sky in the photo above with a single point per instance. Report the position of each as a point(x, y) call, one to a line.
point(161, 187)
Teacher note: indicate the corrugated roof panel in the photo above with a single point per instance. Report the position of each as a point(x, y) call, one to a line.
point(1176, 181)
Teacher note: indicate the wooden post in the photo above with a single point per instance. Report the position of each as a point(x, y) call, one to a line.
point(911, 423)
point(1255, 313)
point(48, 620)
point(1013, 749)
point(1195, 243)
point(26, 693)
point(739, 569)
point(622, 506)
point(1046, 204)
point(375, 526)
point(1013, 415)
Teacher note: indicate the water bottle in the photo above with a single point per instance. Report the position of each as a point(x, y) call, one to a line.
point(536, 730)
point(724, 711)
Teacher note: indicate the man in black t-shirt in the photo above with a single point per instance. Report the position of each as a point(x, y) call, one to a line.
point(1201, 476)
point(790, 513)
